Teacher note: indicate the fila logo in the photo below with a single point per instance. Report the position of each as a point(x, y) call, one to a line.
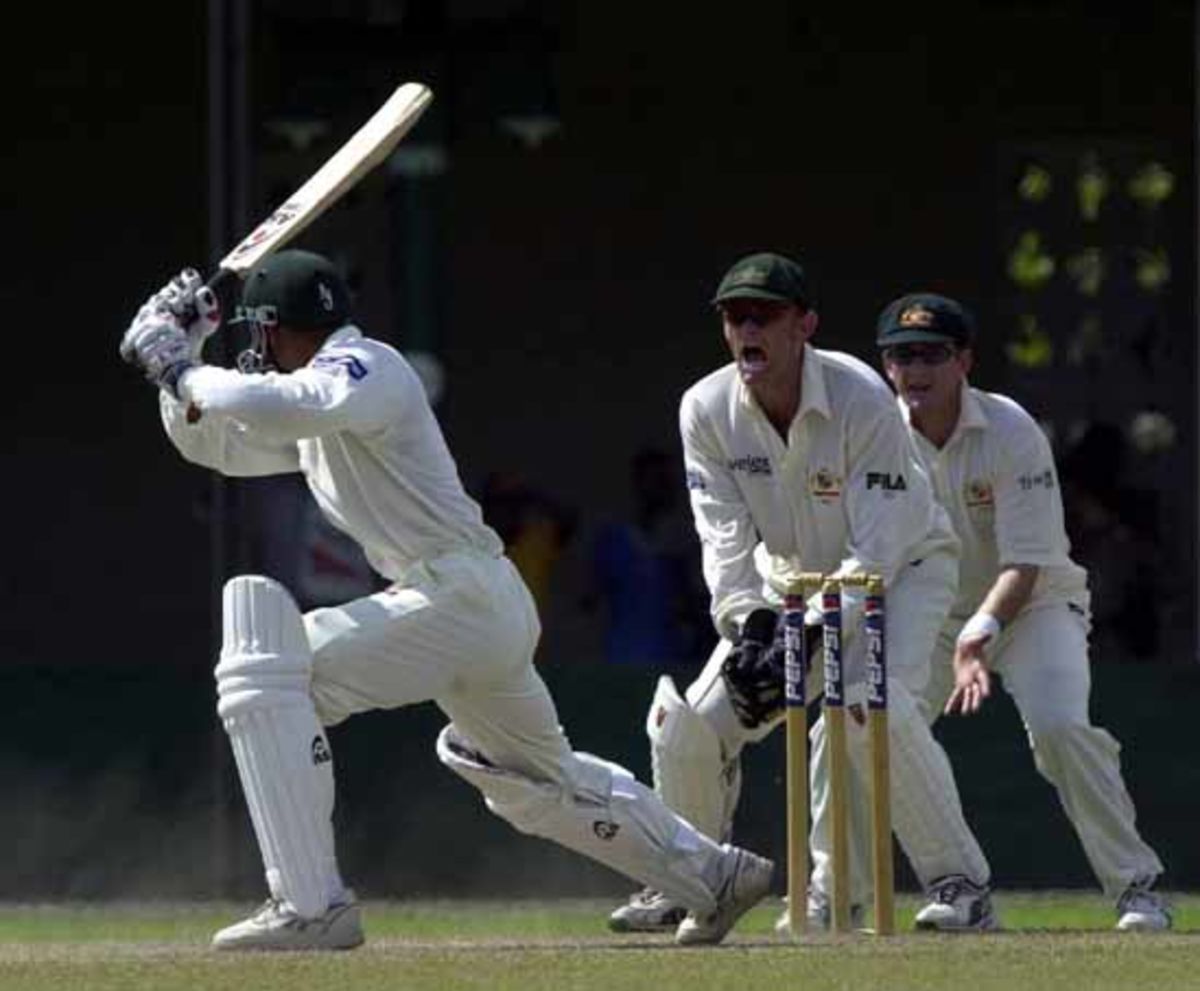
point(889, 483)
point(320, 751)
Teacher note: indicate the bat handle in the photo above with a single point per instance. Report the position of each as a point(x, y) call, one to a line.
point(219, 282)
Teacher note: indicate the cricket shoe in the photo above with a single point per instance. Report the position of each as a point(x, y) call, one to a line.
point(819, 914)
point(1141, 910)
point(277, 927)
point(647, 911)
point(747, 884)
point(958, 905)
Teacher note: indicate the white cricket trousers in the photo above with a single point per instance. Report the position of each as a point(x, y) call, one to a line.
point(1042, 661)
point(461, 631)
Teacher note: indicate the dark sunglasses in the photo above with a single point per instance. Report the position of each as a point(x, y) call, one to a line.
point(757, 316)
point(926, 354)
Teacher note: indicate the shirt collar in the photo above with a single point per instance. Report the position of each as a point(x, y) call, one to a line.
point(970, 413)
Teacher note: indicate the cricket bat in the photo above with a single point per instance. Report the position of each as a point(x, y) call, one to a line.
point(369, 146)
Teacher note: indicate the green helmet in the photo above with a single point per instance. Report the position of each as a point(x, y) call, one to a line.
point(297, 289)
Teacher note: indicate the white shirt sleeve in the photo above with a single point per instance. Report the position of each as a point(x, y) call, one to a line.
point(727, 533)
point(1030, 528)
point(339, 390)
point(224, 444)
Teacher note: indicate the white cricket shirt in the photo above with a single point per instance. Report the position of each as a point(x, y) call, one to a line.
point(845, 492)
point(996, 477)
point(356, 422)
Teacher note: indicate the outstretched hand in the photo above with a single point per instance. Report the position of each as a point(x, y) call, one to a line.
point(972, 681)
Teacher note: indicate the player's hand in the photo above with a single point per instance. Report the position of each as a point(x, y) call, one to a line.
point(158, 345)
point(972, 681)
point(194, 305)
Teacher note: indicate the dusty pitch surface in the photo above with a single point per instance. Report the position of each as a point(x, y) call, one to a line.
point(441, 946)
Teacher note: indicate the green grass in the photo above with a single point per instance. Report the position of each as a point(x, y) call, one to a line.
point(1061, 941)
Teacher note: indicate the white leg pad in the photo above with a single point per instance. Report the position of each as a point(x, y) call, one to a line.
point(690, 771)
point(281, 752)
point(600, 810)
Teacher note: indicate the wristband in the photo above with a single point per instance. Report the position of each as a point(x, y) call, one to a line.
point(982, 626)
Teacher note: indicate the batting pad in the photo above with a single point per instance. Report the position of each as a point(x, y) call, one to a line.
point(689, 772)
point(282, 755)
point(601, 811)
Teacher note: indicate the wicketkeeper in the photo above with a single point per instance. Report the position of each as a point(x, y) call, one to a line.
point(1022, 610)
point(457, 625)
point(803, 451)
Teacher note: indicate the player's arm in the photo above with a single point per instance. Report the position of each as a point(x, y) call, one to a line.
point(341, 389)
point(223, 444)
point(166, 340)
point(1007, 597)
point(727, 532)
point(1030, 534)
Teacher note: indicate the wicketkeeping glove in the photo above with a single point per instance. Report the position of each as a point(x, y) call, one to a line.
point(754, 669)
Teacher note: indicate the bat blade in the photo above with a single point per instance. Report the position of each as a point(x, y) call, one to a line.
point(369, 146)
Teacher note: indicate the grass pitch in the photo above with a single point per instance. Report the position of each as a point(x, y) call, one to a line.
point(1060, 941)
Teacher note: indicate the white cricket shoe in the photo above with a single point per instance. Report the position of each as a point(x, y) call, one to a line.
point(276, 927)
point(820, 914)
point(647, 911)
point(747, 884)
point(958, 905)
point(1141, 910)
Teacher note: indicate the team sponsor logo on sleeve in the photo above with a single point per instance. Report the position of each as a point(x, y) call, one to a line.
point(751, 464)
point(606, 829)
point(977, 493)
point(824, 484)
point(341, 362)
point(1036, 480)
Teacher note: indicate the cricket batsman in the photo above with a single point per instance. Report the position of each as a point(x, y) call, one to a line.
point(456, 624)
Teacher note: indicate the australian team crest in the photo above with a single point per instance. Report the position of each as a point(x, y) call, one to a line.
point(916, 316)
point(824, 484)
point(978, 493)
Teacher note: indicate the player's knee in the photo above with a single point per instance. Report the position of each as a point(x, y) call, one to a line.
point(519, 800)
point(265, 657)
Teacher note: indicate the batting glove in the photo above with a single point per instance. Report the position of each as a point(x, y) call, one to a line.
point(159, 346)
point(194, 305)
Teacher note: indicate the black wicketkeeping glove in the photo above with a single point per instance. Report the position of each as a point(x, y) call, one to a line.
point(753, 669)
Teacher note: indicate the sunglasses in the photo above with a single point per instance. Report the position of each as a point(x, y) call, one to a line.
point(927, 354)
point(757, 316)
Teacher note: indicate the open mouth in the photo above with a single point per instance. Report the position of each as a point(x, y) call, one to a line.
point(752, 359)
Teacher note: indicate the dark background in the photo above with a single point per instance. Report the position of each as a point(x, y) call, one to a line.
point(562, 287)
